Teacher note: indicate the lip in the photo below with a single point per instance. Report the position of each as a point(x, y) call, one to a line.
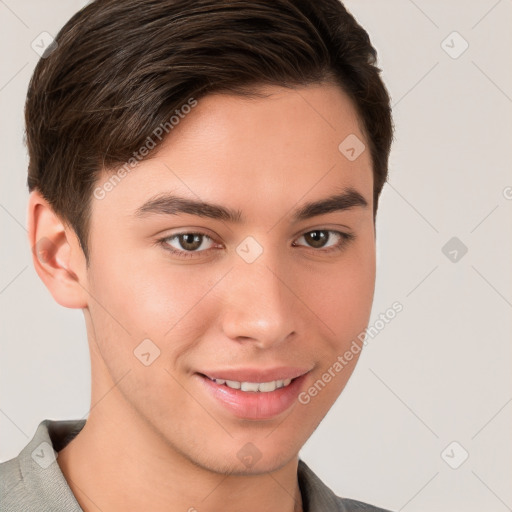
point(255, 405)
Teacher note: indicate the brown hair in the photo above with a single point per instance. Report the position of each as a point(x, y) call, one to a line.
point(121, 69)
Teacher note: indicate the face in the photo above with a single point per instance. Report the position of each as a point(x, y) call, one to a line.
point(265, 288)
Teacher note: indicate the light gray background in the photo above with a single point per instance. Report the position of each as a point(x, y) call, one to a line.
point(441, 370)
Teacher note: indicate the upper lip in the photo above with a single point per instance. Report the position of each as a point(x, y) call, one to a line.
point(257, 374)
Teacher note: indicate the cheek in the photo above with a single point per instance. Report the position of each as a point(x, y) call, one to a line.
point(136, 302)
point(343, 295)
point(138, 299)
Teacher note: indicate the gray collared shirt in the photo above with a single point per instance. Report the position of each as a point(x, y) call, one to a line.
point(33, 481)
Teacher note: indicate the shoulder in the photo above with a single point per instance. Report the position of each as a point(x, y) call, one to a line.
point(11, 482)
point(16, 478)
point(317, 497)
point(33, 480)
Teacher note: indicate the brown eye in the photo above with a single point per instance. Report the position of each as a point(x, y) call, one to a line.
point(316, 239)
point(326, 240)
point(186, 244)
point(190, 241)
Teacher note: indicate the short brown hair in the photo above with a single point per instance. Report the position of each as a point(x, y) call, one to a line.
point(121, 68)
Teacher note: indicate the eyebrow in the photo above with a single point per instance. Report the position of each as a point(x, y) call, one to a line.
point(170, 204)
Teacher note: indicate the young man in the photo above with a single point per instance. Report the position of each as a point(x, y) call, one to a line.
point(204, 181)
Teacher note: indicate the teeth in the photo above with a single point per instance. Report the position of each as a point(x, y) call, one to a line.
point(232, 384)
point(249, 386)
point(263, 387)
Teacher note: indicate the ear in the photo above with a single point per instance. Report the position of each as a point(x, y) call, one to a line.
point(56, 253)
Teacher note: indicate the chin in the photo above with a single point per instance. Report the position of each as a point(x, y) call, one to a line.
point(247, 460)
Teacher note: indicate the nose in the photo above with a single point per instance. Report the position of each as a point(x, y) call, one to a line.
point(259, 305)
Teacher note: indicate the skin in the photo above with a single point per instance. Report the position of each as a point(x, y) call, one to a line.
point(154, 439)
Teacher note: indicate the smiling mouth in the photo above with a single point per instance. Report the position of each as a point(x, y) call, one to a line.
point(253, 387)
point(255, 396)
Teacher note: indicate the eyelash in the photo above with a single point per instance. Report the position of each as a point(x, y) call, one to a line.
point(345, 239)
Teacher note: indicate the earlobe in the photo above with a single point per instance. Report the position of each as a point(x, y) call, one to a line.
point(56, 253)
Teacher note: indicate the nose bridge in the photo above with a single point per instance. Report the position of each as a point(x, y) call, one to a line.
point(258, 304)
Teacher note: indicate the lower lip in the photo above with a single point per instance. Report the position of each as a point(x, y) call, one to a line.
point(255, 405)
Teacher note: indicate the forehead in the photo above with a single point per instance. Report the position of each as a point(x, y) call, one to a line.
point(284, 123)
point(240, 151)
